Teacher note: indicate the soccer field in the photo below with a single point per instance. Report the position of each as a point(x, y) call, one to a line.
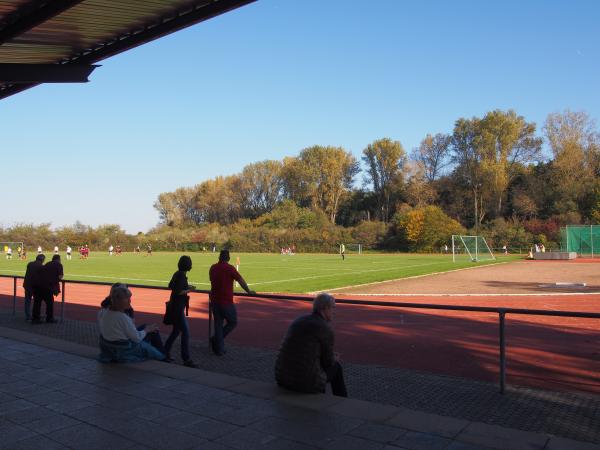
point(263, 272)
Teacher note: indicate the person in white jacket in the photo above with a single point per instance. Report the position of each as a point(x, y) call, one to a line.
point(120, 340)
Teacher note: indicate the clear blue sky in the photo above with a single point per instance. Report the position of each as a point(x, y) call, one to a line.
point(276, 76)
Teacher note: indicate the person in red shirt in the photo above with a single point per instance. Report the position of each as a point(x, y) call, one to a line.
point(222, 275)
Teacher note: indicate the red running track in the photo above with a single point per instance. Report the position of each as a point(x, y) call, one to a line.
point(544, 352)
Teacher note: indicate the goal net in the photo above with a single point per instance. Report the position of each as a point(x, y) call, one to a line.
point(11, 249)
point(470, 248)
point(355, 249)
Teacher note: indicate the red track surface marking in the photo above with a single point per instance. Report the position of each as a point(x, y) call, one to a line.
point(549, 352)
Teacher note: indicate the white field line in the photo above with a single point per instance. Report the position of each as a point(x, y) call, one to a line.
point(351, 273)
point(415, 276)
point(112, 277)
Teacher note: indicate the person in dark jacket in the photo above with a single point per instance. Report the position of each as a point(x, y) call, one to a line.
point(49, 286)
point(31, 278)
point(306, 361)
point(178, 302)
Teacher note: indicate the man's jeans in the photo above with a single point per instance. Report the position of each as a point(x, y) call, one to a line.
point(28, 298)
point(180, 325)
point(222, 313)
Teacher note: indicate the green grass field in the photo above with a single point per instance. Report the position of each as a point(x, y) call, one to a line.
point(263, 272)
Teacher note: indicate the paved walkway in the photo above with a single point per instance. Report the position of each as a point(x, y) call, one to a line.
point(574, 416)
point(54, 399)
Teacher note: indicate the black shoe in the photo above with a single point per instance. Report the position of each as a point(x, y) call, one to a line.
point(51, 321)
point(168, 359)
point(36, 321)
point(190, 363)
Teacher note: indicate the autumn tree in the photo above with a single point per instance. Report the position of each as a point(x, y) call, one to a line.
point(433, 155)
point(321, 176)
point(385, 160)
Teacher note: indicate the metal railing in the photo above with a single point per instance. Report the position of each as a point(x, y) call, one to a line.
point(502, 312)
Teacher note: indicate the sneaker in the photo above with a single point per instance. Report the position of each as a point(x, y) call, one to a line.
point(51, 321)
point(168, 359)
point(190, 363)
point(36, 321)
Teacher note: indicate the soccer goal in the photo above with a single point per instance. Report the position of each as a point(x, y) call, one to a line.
point(355, 249)
point(11, 249)
point(470, 248)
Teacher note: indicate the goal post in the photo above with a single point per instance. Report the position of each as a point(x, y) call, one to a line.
point(470, 248)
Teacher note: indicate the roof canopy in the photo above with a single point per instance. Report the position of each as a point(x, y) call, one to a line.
point(50, 41)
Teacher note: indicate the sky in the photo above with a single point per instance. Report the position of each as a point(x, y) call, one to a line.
point(274, 77)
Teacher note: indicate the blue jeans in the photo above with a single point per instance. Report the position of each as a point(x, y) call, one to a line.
point(221, 313)
point(180, 325)
point(28, 298)
point(127, 351)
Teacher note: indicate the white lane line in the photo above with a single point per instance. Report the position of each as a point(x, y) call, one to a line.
point(417, 276)
point(546, 294)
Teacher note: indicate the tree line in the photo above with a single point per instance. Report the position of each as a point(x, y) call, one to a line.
point(488, 176)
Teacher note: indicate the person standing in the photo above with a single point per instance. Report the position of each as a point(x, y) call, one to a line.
point(50, 276)
point(343, 251)
point(39, 249)
point(306, 361)
point(9, 253)
point(179, 300)
point(69, 251)
point(110, 250)
point(56, 249)
point(31, 279)
point(222, 275)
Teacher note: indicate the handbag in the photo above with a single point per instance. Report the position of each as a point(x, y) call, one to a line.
point(168, 317)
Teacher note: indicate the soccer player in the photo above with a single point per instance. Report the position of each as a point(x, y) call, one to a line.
point(69, 250)
point(19, 251)
point(56, 249)
point(110, 250)
point(9, 253)
point(148, 249)
point(343, 251)
point(39, 249)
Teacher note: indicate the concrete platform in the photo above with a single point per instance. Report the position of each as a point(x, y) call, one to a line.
point(54, 395)
point(555, 255)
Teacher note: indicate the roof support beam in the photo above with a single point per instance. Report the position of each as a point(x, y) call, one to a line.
point(202, 11)
point(32, 15)
point(44, 73)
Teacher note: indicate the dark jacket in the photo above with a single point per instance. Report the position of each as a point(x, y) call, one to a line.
point(51, 275)
point(33, 275)
point(179, 302)
point(305, 353)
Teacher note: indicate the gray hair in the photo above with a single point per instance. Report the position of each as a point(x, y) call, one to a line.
point(118, 292)
point(323, 301)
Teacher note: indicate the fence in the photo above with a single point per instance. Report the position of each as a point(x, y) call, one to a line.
point(583, 239)
point(502, 312)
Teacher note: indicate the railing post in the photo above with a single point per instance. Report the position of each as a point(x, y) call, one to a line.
point(501, 315)
point(14, 295)
point(62, 303)
point(209, 321)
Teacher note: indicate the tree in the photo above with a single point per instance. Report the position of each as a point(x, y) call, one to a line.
point(425, 229)
point(488, 153)
point(506, 141)
point(433, 155)
point(385, 161)
point(575, 144)
point(261, 184)
point(321, 175)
